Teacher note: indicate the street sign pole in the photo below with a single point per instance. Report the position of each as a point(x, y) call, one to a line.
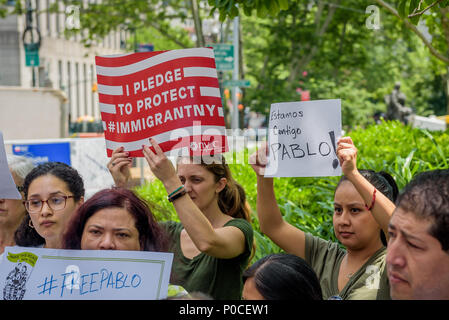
point(235, 76)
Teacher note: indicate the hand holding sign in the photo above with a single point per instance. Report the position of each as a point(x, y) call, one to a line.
point(119, 167)
point(159, 164)
point(347, 154)
point(258, 160)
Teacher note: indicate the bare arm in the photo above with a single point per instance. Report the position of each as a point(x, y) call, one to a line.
point(225, 242)
point(286, 236)
point(383, 207)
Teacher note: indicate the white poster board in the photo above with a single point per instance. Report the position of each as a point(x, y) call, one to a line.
point(89, 158)
point(302, 139)
point(8, 188)
point(50, 274)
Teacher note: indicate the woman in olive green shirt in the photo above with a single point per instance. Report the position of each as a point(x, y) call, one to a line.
point(363, 205)
point(214, 241)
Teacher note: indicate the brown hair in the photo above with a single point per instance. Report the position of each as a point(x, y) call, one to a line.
point(232, 199)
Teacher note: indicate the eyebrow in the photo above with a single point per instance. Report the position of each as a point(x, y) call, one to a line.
point(51, 194)
point(102, 228)
point(350, 204)
point(405, 234)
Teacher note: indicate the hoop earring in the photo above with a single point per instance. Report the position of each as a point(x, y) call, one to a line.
point(30, 224)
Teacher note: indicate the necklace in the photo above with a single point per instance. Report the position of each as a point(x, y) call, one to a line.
point(349, 275)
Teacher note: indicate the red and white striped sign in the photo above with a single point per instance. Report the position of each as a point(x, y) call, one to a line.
point(172, 96)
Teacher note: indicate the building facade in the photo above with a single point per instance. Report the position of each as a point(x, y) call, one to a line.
point(65, 63)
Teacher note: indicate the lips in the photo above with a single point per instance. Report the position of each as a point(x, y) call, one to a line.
point(345, 234)
point(395, 278)
point(47, 223)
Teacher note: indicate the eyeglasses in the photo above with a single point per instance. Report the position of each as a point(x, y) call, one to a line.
point(56, 203)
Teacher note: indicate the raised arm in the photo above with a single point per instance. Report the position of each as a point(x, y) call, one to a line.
point(225, 242)
point(272, 224)
point(382, 208)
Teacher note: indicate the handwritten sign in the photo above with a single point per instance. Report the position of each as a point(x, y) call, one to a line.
point(302, 139)
point(172, 96)
point(8, 188)
point(38, 274)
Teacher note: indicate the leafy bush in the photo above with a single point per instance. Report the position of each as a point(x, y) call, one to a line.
point(307, 203)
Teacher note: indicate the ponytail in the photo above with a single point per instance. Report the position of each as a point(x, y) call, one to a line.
point(232, 201)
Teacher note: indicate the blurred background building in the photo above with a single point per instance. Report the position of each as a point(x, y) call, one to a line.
point(65, 64)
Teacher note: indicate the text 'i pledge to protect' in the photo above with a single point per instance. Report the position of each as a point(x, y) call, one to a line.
point(152, 82)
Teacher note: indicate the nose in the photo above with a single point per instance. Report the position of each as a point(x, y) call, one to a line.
point(187, 186)
point(46, 210)
point(395, 255)
point(344, 218)
point(107, 242)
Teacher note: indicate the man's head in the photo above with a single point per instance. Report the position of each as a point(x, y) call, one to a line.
point(418, 247)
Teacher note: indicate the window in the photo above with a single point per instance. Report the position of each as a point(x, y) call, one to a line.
point(60, 80)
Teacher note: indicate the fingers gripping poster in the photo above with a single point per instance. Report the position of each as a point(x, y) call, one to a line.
point(171, 96)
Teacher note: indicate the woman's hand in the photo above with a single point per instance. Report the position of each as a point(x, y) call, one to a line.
point(119, 167)
point(258, 160)
point(347, 155)
point(159, 164)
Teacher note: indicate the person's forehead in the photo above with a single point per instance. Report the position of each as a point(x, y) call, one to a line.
point(409, 223)
point(191, 169)
point(347, 192)
point(47, 184)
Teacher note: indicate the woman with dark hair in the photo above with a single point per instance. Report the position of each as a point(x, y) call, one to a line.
point(115, 219)
point(53, 191)
point(213, 242)
point(281, 276)
point(363, 205)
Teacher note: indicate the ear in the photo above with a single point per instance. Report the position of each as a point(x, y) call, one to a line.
point(221, 184)
point(80, 202)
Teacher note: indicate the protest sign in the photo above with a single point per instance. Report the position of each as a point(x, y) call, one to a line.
point(50, 274)
point(172, 96)
point(8, 188)
point(90, 160)
point(302, 139)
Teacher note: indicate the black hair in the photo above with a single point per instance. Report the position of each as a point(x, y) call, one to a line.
point(384, 183)
point(25, 235)
point(427, 197)
point(381, 180)
point(282, 276)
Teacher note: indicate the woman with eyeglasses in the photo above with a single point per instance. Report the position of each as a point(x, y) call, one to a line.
point(53, 191)
point(13, 211)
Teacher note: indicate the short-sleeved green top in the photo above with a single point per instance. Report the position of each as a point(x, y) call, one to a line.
point(219, 278)
point(370, 282)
